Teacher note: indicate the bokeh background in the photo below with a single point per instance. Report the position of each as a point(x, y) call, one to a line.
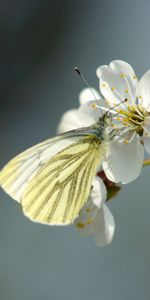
point(40, 43)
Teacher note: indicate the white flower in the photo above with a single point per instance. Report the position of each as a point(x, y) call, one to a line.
point(95, 217)
point(117, 83)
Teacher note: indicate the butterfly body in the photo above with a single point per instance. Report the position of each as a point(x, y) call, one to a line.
point(52, 180)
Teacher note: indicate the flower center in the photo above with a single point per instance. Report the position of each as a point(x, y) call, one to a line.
point(133, 117)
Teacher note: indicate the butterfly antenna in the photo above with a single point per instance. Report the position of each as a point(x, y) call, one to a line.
point(125, 100)
point(85, 81)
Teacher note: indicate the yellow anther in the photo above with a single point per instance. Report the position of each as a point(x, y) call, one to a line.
point(104, 85)
point(93, 105)
point(126, 91)
point(112, 88)
point(125, 119)
point(80, 225)
point(140, 97)
point(122, 75)
point(134, 77)
point(121, 111)
point(88, 210)
point(126, 141)
point(89, 221)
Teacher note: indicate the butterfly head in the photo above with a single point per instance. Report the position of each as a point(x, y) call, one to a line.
point(107, 119)
point(104, 127)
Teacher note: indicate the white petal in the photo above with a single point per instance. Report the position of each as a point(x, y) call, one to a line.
point(124, 161)
point(88, 94)
point(83, 222)
point(122, 66)
point(69, 121)
point(145, 90)
point(99, 192)
point(147, 135)
point(147, 144)
point(118, 82)
point(104, 227)
point(90, 112)
point(86, 230)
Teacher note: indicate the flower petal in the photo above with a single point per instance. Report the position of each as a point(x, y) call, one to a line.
point(69, 121)
point(84, 222)
point(84, 230)
point(144, 85)
point(147, 144)
point(99, 192)
point(88, 94)
point(147, 135)
point(118, 82)
point(124, 161)
point(104, 227)
point(90, 112)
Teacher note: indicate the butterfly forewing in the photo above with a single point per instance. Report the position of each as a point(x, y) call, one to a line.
point(60, 188)
point(16, 175)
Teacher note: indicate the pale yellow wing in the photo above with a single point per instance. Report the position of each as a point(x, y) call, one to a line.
point(17, 173)
point(62, 185)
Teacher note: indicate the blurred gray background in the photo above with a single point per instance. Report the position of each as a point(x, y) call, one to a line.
point(40, 43)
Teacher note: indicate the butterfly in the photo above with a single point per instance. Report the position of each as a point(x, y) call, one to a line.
point(53, 179)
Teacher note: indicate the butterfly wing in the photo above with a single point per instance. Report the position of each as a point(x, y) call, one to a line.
point(17, 173)
point(60, 188)
point(53, 179)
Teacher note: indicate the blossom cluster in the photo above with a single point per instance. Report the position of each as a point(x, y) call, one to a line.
point(128, 100)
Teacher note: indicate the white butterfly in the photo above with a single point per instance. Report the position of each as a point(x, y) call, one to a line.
point(52, 180)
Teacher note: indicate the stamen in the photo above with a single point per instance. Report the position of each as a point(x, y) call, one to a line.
point(80, 225)
point(126, 141)
point(121, 133)
point(94, 105)
point(122, 75)
point(89, 221)
point(118, 95)
point(139, 112)
point(118, 127)
point(132, 137)
point(128, 86)
point(136, 122)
